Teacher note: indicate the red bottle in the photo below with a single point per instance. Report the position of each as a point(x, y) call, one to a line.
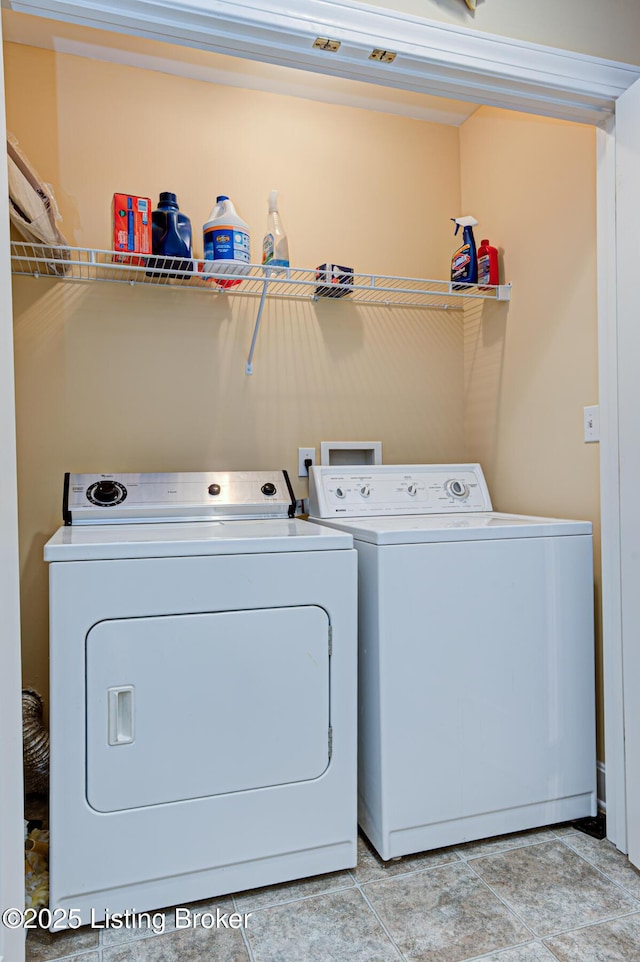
point(487, 264)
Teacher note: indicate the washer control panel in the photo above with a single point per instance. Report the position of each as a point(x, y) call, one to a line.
point(193, 496)
point(391, 489)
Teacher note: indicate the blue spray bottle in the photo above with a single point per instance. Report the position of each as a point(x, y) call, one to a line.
point(464, 263)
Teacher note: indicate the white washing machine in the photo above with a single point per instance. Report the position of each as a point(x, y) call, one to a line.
point(203, 691)
point(476, 657)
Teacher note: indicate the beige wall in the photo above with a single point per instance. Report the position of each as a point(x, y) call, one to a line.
point(532, 185)
point(115, 378)
point(608, 29)
point(92, 128)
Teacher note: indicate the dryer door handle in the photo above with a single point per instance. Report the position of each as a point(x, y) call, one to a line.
point(120, 715)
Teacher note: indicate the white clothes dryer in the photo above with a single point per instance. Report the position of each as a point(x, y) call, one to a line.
point(203, 691)
point(476, 656)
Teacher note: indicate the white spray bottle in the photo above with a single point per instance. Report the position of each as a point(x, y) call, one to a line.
point(275, 246)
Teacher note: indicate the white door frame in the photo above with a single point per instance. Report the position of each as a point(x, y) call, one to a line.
point(432, 58)
point(628, 423)
point(11, 793)
point(610, 487)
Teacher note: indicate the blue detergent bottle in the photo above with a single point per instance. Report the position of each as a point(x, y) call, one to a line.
point(170, 238)
point(464, 263)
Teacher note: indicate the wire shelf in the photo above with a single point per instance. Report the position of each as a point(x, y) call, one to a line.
point(84, 264)
point(255, 280)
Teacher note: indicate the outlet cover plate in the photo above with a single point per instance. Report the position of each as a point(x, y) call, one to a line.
point(305, 454)
point(592, 423)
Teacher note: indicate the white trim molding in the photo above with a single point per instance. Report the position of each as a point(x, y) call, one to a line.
point(432, 57)
point(610, 486)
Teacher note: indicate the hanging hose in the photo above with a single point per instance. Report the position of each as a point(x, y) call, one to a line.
point(35, 739)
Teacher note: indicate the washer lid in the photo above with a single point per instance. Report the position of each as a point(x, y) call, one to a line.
point(176, 539)
point(483, 526)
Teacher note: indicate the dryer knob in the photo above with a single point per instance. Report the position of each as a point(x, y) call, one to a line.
point(106, 491)
point(106, 494)
point(412, 490)
point(214, 489)
point(269, 489)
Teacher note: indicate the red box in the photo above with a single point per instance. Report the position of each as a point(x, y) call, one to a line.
point(131, 226)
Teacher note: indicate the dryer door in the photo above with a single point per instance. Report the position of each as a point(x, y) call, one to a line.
point(185, 706)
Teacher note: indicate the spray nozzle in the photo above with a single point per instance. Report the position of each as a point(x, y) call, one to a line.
point(467, 221)
point(273, 201)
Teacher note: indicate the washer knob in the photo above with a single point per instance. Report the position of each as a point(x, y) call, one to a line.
point(456, 488)
point(268, 488)
point(339, 492)
point(214, 489)
point(365, 490)
point(412, 490)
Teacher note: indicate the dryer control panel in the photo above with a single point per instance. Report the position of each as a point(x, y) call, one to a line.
point(185, 496)
point(394, 489)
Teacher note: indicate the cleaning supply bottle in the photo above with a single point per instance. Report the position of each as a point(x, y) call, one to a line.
point(464, 263)
point(275, 246)
point(488, 271)
point(227, 242)
point(170, 237)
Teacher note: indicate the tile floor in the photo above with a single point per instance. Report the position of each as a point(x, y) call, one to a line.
point(540, 896)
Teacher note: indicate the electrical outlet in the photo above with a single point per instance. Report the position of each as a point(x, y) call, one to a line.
point(592, 423)
point(305, 454)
